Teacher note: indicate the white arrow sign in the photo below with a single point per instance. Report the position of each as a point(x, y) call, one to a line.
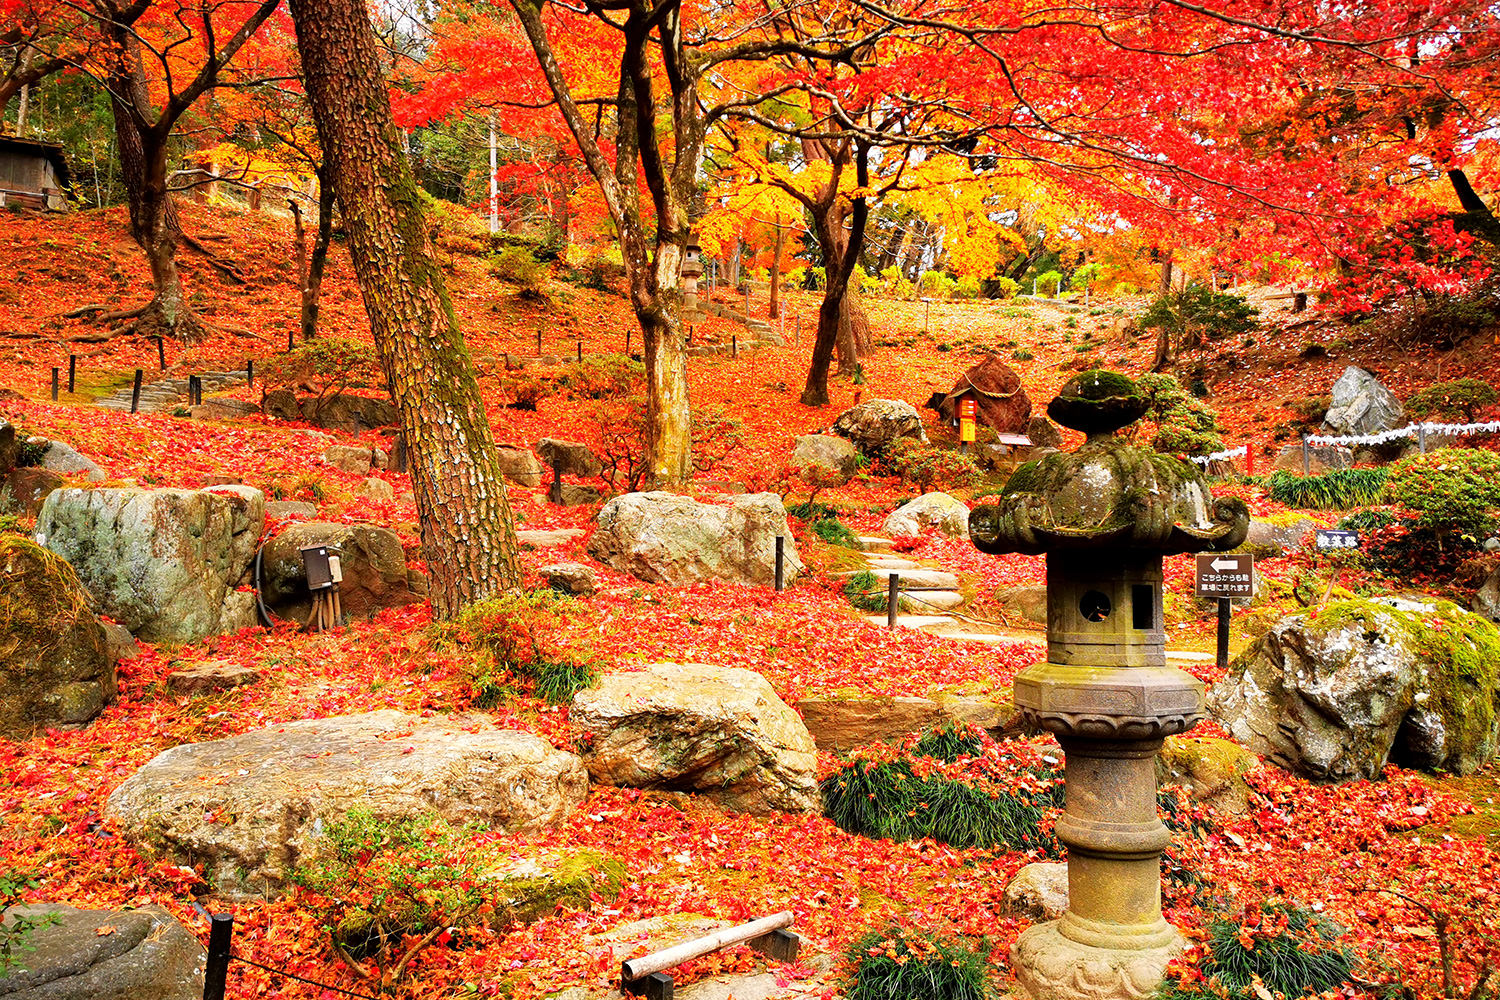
point(1220, 565)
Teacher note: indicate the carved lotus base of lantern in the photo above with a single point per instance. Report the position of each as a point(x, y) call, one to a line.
point(1052, 966)
point(1109, 703)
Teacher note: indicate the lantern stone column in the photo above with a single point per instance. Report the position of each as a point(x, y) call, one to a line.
point(1105, 516)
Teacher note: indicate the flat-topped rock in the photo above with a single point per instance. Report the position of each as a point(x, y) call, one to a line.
point(136, 954)
point(930, 600)
point(252, 807)
point(546, 538)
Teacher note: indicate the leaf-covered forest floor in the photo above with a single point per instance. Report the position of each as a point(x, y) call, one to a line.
point(1434, 838)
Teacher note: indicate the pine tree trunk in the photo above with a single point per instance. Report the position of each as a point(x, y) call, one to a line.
point(468, 534)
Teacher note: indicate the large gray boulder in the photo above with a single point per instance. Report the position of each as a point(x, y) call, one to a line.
point(55, 667)
point(163, 563)
point(1361, 405)
point(518, 465)
point(833, 459)
point(1274, 536)
point(349, 413)
point(1335, 696)
point(137, 954)
point(720, 731)
point(372, 560)
point(252, 807)
point(571, 458)
point(876, 424)
point(947, 514)
point(666, 538)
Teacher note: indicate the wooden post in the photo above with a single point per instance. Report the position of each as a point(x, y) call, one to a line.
point(220, 935)
point(289, 340)
point(554, 492)
point(54, 384)
point(161, 353)
point(893, 587)
point(538, 341)
point(627, 339)
point(780, 563)
point(580, 352)
point(1306, 458)
point(250, 371)
point(734, 346)
point(1223, 657)
point(135, 393)
point(72, 372)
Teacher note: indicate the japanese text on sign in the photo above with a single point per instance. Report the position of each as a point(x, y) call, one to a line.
point(1337, 538)
point(1225, 575)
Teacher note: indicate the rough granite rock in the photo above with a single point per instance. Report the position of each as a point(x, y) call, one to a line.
point(136, 954)
point(210, 676)
point(1026, 603)
point(844, 720)
point(570, 457)
point(1335, 696)
point(1043, 433)
point(718, 731)
point(834, 459)
point(930, 510)
point(350, 413)
point(373, 562)
point(250, 808)
point(518, 465)
point(223, 408)
point(1362, 405)
point(876, 424)
point(1039, 891)
point(376, 489)
point(1269, 537)
point(10, 446)
point(64, 458)
point(668, 538)
point(23, 490)
point(356, 460)
point(163, 563)
point(55, 667)
point(570, 578)
point(1320, 459)
point(1212, 770)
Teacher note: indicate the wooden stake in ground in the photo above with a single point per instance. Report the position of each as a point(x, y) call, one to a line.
point(468, 532)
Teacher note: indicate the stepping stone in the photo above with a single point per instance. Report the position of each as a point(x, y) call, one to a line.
point(916, 579)
point(930, 600)
point(873, 543)
point(891, 562)
point(1184, 654)
point(210, 676)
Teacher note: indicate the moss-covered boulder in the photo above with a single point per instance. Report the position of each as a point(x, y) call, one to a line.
point(54, 669)
point(1212, 770)
point(1336, 695)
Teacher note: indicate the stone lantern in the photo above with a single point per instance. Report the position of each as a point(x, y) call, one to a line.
point(692, 270)
point(1104, 516)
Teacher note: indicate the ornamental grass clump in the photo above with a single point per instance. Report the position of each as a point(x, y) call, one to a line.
point(1342, 489)
point(1277, 949)
point(896, 963)
point(519, 644)
point(955, 785)
point(867, 592)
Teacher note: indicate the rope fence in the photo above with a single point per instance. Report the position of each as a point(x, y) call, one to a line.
point(1419, 431)
point(221, 952)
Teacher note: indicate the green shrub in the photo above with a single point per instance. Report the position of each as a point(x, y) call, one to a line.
point(1452, 490)
point(1284, 949)
point(1022, 355)
point(329, 365)
point(518, 266)
point(1459, 399)
point(984, 800)
point(15, 929)
point(867, 592)
point(520, 641)
point(1198, 310)
point(1049, 283)
point(1341, 489)
point(899, 963)
point(1184, 425)
point(603, 377)
point(1401, 545)
point(811, 511)
point(917, 463)
point(835, 532)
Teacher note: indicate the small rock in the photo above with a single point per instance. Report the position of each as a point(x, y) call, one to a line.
point(843, 721)
point(1270, 537)
point(374, 567)
point(356, 460)
point(210, 676)
point(281, 404)
point(134, 954)
point(1039, 891)
point(291, 508)
point(1487, 600)
point(570, 457)
point(25, 488)
point(1320, 459)
point(667, 538)
point(119, 644)
point(930, 601)
point(580, 495)
point(835, 459)
point(570, 578)
point(377, 490)
point(548, 538)
point(1043, 433)
point(1213, 770)
point(938, 510)
point(1362, 405)
point(1026, 603)
point(719, 731)
point(876, 424)
point(64, 458)
point(222, 408)
point(519, 465)
point(350, 413)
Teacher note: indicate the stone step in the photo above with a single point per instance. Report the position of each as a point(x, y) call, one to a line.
point(915, 579)
point(925, 601)
point(873, 543)
point(912, 621)
point(546, 538)
point(891, 562)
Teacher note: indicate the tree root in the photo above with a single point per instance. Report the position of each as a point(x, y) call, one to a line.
point(227, 268)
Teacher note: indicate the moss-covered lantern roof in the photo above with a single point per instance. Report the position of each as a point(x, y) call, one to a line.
point(1109, 494)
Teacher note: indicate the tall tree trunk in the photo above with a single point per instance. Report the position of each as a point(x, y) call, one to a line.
point(468, 533)
point(153, 215)
point(774, 309)
point(312, 289)
point(840, 255)
point(1164, 285)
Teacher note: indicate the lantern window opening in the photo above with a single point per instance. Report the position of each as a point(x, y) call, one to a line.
point(1143, 605)
point(1095, 606)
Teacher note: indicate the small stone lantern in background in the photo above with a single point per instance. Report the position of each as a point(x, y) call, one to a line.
point(1104, 516)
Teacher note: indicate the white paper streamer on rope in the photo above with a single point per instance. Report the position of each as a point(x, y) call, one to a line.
point(1409, 431)
point(1219, 456)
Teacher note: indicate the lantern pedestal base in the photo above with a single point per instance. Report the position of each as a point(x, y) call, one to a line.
point(1053, 967)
